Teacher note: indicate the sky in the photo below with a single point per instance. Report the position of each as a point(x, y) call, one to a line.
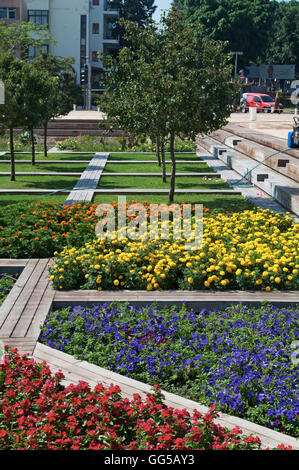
point(161, 5)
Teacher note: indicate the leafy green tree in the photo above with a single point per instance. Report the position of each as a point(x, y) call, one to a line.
point(138, 11)
point(34, 86)
point(9, 111)
point(284, 45)
point(64, 91)
point(19, 38)
point(179, 89)
point(246, 25)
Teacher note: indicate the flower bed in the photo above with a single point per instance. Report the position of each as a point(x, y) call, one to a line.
point(37, 412)
point(38, 229)
point(6, 284)
point(239, 359)
point(41, 228)
point(249, 250)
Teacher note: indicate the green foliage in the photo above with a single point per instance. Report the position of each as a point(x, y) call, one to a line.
point(170, 82)
point(265, 30)
point(18, 38)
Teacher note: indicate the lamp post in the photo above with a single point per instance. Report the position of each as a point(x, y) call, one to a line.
point(237, 53)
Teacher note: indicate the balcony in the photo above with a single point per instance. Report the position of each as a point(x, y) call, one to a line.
point(110, 36)
point(111, 30)
point(110, 8)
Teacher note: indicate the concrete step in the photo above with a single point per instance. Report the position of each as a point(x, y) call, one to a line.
point(283, 189)
point(270, 141)
point(283, 163)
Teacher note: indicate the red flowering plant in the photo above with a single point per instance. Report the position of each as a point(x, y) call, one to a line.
point(41, 229)
point(38, 412)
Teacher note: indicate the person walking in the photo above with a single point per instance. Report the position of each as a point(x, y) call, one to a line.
point(277, 103)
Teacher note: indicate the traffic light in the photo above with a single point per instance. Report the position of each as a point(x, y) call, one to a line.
point(84, 75)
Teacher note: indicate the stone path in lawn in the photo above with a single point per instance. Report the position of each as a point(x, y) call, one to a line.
point(87, 184)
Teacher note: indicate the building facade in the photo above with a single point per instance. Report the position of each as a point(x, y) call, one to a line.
point(82, 29)
point(12, 11)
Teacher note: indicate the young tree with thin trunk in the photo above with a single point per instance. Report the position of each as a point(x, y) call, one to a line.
point(172, 82)
point(64, 92)
point(9, 111)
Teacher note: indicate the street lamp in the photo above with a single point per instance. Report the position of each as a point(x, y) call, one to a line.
point(237, 53)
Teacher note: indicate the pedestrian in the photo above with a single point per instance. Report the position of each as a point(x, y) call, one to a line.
point(243, 103)
point(277, 103)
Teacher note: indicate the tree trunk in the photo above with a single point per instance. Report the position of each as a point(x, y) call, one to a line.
point(45, 139)
point(32, 146)
point(163, 161)
point(12, 155)
point(158, 150)
point(173, 170)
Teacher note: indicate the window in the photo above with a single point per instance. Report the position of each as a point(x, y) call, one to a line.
point(83, 26)
point(36, 51)
point(8, 13)
point(38, 17)
point(111, 29)
point(95, 56)
point(256, 99)
point(95, 2)
point(95, 28)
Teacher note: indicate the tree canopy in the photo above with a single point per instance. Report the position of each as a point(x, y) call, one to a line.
point(171, 82)
point(265, 30)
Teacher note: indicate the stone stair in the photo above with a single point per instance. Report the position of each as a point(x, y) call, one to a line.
point(277, 176)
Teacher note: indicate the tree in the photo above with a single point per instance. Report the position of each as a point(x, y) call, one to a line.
point(19, 38)
point(64, 92)
point(179, 89)
point(27, 89)
point(9, 111)
point(284, 45)
point(246, 25)
point(138, 11)
point(35, 88)
point(128, 100)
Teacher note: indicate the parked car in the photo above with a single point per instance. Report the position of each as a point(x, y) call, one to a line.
point(263, 103)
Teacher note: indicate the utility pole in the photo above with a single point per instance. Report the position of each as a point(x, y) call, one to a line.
point(89, 87)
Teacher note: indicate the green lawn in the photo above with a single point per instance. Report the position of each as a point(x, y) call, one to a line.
point(38, 182)
point(142, 182)
point(151, 156)
point(154, 168)
point(8, 199)
point(51, 156)
point(221, 202)
point(44, 168)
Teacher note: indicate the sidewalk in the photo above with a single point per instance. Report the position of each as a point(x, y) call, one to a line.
point(277, 125)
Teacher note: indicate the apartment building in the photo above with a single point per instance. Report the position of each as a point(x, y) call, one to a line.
point(11, 11)
point(83, 29)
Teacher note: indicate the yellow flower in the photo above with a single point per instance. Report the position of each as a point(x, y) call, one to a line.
point(190, 280)
point(116, 282)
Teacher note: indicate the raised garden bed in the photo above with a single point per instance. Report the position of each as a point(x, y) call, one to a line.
point(33, 298)
point(238, 359)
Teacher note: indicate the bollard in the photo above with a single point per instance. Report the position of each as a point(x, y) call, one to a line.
point(252, 114)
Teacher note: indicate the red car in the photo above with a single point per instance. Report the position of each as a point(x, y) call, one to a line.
point(261, 101)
